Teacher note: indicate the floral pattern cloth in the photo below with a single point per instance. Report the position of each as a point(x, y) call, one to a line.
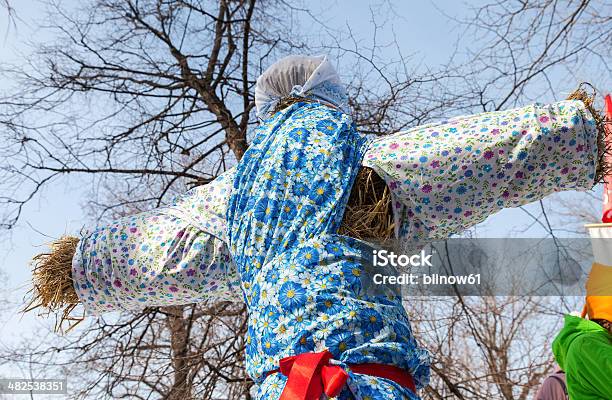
point(170, 255)
point(448, 176)
point(444, 178)
point(300, 278)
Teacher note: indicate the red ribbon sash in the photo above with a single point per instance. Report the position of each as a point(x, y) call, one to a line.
point(309, 375)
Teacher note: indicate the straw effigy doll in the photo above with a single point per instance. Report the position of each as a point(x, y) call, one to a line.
point(273, 227)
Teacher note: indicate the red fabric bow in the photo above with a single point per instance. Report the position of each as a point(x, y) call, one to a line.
point(309, 376)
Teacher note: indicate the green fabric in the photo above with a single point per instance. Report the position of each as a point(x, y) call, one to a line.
point(583, 349)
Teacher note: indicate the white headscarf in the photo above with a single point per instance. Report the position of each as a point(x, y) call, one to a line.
point(299, 76)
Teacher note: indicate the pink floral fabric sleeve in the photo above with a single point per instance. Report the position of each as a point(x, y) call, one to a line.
point(448, 176)
point(170, 255)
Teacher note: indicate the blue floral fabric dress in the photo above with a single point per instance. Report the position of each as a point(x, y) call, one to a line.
point(300, 279)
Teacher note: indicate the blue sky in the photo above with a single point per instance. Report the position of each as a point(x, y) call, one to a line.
point(420, 28)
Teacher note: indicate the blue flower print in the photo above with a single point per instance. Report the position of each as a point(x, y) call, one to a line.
point(264, 210)
point(289, 240)
point(369, 393)
point(251, 339)
point(327, 126)
point(269, 179)
point(288, 210)
point(317, 159)
point(299, 134)
point(334, 248)
point(328, 304)
point(269, 344)
point(321, 192)
point(305, 343)
point(295, 159)
point(372, 320)
point(306, 210)
point(339, 342)
point(300, 189)
point(272, 276)
point(291, 295)
point(402, 332)
point(269, 318)
point(308, 256)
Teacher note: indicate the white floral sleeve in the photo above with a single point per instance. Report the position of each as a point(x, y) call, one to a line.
point(170, 255)
point(448, 176)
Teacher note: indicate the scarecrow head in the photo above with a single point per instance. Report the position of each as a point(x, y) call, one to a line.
point(299, 77)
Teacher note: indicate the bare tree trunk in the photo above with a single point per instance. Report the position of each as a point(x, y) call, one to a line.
point(179, 327)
